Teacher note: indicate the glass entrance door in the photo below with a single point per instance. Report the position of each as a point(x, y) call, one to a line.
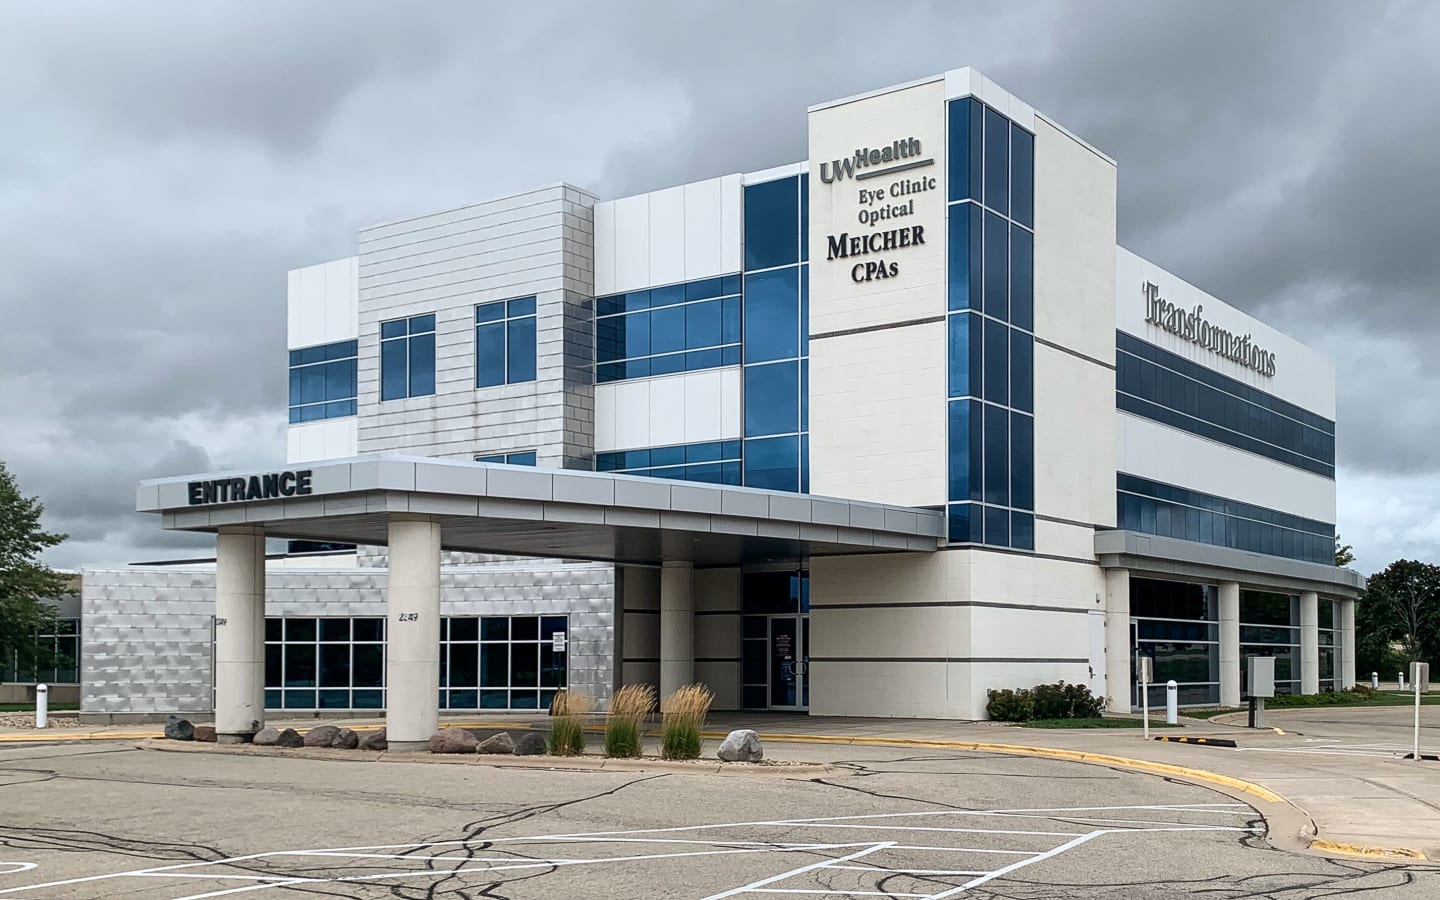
point(789, 662)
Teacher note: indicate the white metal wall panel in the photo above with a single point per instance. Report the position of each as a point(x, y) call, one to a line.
point(686, 408)
point(667, 236)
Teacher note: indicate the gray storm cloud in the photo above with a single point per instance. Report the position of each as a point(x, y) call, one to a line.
point(164, 164)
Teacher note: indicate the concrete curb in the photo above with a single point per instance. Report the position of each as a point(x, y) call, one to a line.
point(568, 763)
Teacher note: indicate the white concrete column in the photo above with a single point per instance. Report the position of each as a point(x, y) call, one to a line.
point(1230, 644)
point(1309, 643)
point(239, 633)
point(1119, 650)
point(677, 625)
point(1345, 674)
point(412, 633)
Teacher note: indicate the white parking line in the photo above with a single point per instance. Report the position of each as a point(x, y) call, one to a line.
point(878, 835)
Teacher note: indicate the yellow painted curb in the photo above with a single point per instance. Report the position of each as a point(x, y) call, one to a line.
point(1325, 846)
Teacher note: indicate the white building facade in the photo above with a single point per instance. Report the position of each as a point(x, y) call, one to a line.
point(1052, 456)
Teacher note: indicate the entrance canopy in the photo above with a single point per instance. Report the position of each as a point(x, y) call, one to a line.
point(524, 511)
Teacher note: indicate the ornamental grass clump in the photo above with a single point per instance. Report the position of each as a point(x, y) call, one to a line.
point(629, 709)
point(682, 718)
point(567, 724)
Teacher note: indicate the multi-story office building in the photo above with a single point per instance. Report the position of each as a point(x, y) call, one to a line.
point(869, 434)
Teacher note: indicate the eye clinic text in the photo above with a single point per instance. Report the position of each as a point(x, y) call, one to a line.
point(874, 203)
point(844, 246)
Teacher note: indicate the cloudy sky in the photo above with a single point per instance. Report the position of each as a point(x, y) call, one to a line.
point(163, 164)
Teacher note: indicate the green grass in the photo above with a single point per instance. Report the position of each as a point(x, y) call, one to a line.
point(30, 707)
point(1349, 699)
point(1093, 723)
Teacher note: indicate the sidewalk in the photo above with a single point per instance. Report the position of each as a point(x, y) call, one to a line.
point(1355, 801)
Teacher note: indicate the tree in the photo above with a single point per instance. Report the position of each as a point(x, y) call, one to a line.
point(1400, 610)
point(25, 583)
point(1344, 553)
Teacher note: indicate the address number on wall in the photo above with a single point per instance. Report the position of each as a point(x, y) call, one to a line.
point(409, 617)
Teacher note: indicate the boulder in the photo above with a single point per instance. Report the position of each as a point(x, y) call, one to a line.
point(499, 743)
point(531, 743)
point(178, 729)
point(321, 736)
point(742, 745)
point(205, 733)
point(374, 740)
point(289, 738)
point(266, 737)
point(453, 740)
point(345, 739)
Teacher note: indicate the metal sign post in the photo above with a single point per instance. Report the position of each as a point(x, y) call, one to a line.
point(1420, 681)
point(1147, 673)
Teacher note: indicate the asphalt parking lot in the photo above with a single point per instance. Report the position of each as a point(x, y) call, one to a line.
point(109, 820)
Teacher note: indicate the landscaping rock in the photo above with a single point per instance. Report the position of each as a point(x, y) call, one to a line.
point(345, 739)
point(375, 740)
point(205, 733)
point(321, 736)
point(531, 743)
point(178, 729)
point(453, 740)
point(290, 738)
point(266, 737)
point(742, 745)
point(500, 743)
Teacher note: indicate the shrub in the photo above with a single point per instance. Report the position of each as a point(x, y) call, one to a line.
point(682, 718)
point(629, 708)
point(1044, 701)
point(567, 725)
point(1011, 705)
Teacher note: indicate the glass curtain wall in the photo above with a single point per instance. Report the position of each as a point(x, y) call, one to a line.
point(1177, 625)
point(1329, 646)
point(1270, 626)
point(486, 662)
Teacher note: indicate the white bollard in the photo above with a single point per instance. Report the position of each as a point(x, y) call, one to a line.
point(1374, 681)
point(1402, 680)
point(42, 705)
point(1172, 703)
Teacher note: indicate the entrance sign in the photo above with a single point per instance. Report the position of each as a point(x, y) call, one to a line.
point(271, 486)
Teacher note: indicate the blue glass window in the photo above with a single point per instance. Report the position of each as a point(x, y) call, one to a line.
point(687, 327)
point(505, 342)
point(990, 262)
point(964, 256)
point(1156, 508)
point(997, 362)
point(772, 399)
point(1022, 461)
point(959, 115)
point(407, 357)
point(997, 456)
point(519, 458)
point(323, 381)
point(961, 329)
point(997, 161)
point(804, 218)
point(1022, 371)
point(1166, 388)
point(773, 463)
point(1022, 278)
point(772, 224)
point(1022, 176)
point(997, 267)
point(772, 315)
point(1022, 530)
point(713, 463)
